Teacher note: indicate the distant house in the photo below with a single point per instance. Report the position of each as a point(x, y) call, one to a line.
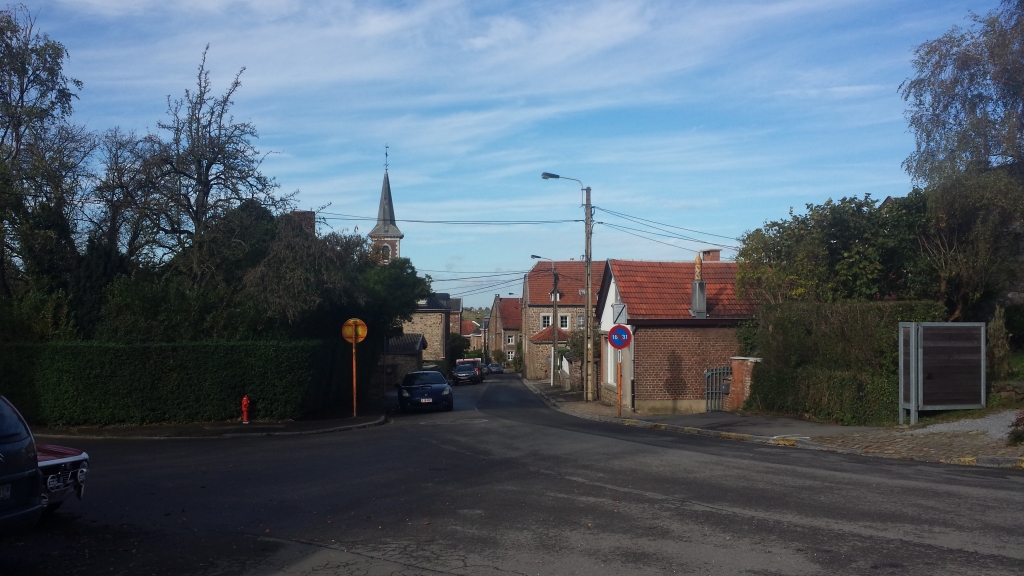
point(505, 329)
point(676, 336)
point(537, 310)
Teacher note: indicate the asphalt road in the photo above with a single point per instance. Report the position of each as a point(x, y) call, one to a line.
point(505, 485)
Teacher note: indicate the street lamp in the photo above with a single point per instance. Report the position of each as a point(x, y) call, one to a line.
point(589, 382)
point(554, 316)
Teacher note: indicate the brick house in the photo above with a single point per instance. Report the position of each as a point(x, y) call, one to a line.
point(537, 309)
point(676, 337)
point(505, 329)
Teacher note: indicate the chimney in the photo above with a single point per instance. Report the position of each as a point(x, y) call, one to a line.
point(711, 255)
point(698, 291)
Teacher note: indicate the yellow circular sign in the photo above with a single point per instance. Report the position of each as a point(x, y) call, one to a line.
point(353, 330)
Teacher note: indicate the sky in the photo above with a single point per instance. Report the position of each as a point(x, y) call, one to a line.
point(709, 116)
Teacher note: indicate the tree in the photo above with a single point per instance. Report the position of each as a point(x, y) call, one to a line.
point(34, 94)
point(850, 249)
point(208, 166)
point(966, 98)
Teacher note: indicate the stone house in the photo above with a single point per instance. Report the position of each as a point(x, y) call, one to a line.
point(402, 355)
point(683, 316)
point(505, 329)
point(432, 319)
point(537, 309)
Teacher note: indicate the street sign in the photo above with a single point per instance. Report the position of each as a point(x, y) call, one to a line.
point(619, 337)
point(354, 330)
point(619, 313)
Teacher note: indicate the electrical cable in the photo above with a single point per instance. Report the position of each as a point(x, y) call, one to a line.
point(339, 216)
point(635, 218)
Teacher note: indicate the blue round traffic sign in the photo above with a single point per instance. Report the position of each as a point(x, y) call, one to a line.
point(619, 337)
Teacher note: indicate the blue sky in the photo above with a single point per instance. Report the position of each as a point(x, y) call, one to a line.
point(714, 116)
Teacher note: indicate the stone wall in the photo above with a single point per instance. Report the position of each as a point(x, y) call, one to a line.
point(1007, 392)
point(670, 365)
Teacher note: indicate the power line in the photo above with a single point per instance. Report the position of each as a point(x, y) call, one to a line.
point(673, 236)
point(625, 231)
point(487, 289)
point(460, 278)
point(644, 220)
point(339, 216)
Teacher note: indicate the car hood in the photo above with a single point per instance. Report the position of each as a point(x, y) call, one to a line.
point(51, 454)
point(425, 388)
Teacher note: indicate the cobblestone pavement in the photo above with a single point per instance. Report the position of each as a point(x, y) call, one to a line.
point(897, 443)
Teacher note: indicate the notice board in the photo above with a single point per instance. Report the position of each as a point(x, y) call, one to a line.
point(942, 367)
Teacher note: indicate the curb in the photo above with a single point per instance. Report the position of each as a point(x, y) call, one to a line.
point(378, 422)
point(806, 444)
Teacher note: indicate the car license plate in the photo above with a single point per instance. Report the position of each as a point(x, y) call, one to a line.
point(5, 491)
point(426, 399)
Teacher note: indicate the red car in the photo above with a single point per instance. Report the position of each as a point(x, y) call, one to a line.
point(63, 471)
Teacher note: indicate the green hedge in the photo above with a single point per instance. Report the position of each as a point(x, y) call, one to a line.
point(835, 362)
point(67, 384)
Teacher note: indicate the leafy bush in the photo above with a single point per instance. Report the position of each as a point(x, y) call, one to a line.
point(1016, 437)
point(66, 384)
point(833, 361)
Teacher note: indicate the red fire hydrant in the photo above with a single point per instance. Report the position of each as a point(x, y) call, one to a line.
point(245, 409)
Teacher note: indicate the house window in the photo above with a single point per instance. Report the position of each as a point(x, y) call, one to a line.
point(563, 321)
point(511, 339)
point(545, 320)
point(579, 320)
point(511, 355)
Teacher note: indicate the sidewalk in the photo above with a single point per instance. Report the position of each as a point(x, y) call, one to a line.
point(231, 429)
point(963, 444)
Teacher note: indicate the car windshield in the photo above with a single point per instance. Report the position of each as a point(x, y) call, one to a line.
point(11, 427)
point(465, 368)
point(418, 378)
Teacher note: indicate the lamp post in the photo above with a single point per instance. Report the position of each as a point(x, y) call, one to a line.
point(554, 316)
point(589, 385)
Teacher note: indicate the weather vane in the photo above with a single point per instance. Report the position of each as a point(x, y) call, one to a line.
point(385, 156)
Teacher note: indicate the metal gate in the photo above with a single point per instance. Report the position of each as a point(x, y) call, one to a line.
point(716, 386)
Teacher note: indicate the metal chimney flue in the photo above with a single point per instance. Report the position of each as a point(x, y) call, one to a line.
point(699, 293)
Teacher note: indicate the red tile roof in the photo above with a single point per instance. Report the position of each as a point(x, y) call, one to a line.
point(544, 336)
point(468, 327)
point(511, 312)
point(662, 290)
point(572, 277)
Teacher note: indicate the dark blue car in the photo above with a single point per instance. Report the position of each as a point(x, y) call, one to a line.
point(425, 389)
point(20, 486)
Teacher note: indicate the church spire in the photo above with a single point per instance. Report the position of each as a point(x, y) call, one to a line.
point(386, 227)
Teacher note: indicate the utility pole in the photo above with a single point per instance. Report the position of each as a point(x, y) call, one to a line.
point(554, 323)
point(589, 383)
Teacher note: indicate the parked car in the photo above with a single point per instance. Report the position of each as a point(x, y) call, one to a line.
point(496, 369)
point(425, 389)
point(466, 374)
point(20, 505)
point(477, 364)
point(63, 471)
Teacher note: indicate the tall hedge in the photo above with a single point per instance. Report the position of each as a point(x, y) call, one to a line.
point(835, 362)
point(66, 384)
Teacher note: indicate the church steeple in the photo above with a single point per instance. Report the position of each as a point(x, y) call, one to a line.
point(386, 234)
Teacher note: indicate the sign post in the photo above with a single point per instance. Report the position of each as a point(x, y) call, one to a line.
point(619, 337)
point(354, 331)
